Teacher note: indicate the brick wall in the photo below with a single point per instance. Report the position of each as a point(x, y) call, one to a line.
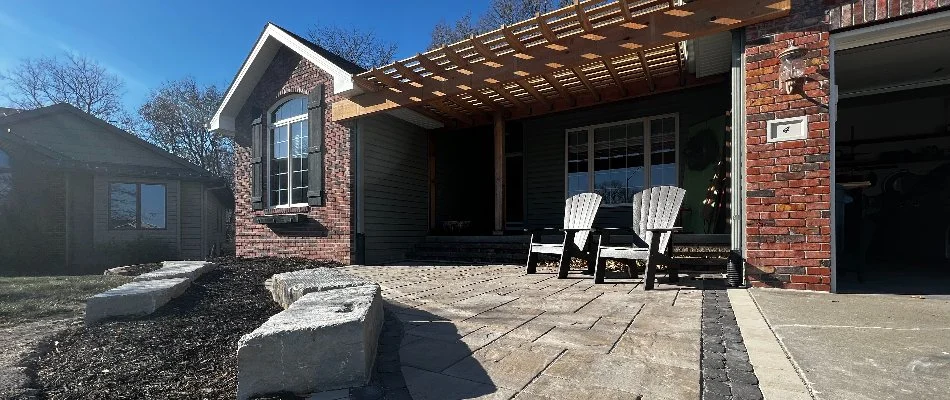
point(789, 183)
point(846, 14)
point(328, 232)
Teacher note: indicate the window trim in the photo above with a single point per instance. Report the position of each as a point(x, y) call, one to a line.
point(647, 150)
point(138, 205)
point(271, 125)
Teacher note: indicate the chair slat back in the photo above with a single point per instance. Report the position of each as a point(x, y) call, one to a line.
point(656, 207)
point(579, 213)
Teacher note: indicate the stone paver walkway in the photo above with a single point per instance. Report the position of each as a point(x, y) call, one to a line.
point(492, 332)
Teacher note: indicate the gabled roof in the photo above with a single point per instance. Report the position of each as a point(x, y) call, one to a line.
point(16, 141)
point(272, 39)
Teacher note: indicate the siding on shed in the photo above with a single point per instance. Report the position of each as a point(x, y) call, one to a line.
point(192, 245)
point(394, 180)
point(82, 256)
point(545, 146)
point(167, 236)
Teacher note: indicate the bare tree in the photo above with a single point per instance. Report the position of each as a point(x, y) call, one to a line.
point(73, 79)
point(444, 33)
point(174, 117)
point(500, 12)
point(361, 47)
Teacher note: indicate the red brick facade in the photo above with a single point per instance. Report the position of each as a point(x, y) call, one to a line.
point(789, 183)
point(328, 233)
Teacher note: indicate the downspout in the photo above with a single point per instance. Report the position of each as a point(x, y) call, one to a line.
point(738, 138)
point(357, 200)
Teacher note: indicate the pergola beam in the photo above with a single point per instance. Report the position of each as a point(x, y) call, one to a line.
point(408, 73)
point(513, 41)
point(608, 63)
point(534, 92)
point(616, 36)
point(582, 16)
point(581, 76)
point(481, 48)
point(504, 93)
point(646, 70)
point(447, 110)
point(486, 101)
point(552, 80)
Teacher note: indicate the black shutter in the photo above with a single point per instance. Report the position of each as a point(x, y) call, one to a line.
point(257, 163)
point(315, 116)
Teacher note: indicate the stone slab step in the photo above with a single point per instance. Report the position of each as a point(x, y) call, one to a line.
point(288, 287)
point(134, 298)
point(190, 270)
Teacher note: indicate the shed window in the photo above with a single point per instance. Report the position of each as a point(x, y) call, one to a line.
point(136, 206)
point(289, 142)
point(620, 159)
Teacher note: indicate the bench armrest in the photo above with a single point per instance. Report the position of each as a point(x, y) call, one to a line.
point(673, 229)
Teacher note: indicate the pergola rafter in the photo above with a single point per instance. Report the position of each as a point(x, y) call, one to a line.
point(553, 58)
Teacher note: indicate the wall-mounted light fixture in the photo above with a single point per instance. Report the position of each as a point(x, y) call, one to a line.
point(792, 70)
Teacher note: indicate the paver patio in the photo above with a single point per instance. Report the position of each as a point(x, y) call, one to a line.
point(494, 332)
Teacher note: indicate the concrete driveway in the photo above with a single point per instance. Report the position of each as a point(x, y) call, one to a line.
point(857, 347)
point(493, 332)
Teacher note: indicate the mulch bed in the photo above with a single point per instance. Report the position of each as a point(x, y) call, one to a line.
point(187, 349)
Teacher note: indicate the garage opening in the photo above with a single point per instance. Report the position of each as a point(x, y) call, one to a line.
point(892, 157)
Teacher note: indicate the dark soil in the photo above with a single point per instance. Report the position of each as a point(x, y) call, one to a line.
point(187, 349)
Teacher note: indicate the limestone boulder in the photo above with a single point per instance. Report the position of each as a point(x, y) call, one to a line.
point(178, 269)
point(134, 298)
point(287, 287)
point(324, 340)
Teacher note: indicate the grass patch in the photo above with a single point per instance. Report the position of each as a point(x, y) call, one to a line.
point(24, 299)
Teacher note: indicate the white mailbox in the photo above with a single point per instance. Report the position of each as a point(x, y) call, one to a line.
point(780, 130)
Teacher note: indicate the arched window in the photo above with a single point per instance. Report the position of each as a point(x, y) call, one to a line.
point(289, 140)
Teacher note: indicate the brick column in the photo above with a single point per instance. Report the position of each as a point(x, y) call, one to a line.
point(788, 198)
point(788, 205)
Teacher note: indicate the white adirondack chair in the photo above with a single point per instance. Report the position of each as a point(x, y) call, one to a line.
point(654, 213)
point(579, 213)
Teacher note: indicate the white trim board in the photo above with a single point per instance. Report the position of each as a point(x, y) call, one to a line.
point(256, 64)
point(266, 47)
point(916, 26)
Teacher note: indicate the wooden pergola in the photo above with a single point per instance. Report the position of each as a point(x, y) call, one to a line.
point(586, 53)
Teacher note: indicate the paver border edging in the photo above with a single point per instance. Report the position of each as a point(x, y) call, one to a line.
point(779, 377)
point(725, 370)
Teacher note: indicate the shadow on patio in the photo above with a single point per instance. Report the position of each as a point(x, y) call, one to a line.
point(494, 332)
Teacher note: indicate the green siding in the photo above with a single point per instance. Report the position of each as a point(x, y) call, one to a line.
point(394, 183)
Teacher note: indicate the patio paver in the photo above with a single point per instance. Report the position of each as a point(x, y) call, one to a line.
point(493, 332)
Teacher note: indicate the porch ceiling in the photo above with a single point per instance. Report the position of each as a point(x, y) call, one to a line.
point(577, 55)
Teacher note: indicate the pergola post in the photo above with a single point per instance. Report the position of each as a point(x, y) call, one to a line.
point(499, 155)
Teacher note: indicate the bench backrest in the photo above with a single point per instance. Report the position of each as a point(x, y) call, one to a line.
point(579, 213)
point(656, 207)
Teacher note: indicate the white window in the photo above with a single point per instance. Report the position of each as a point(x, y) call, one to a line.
point(289, 141)
point(618, 160)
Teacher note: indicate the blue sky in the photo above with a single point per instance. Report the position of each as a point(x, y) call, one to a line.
point(148, 42)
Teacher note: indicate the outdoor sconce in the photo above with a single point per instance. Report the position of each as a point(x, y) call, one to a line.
point(792, 70)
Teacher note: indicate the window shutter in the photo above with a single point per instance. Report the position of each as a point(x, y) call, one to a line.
point(315, 117)
point(257, 163)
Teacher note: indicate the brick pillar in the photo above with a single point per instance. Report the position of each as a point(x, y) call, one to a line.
point(788, 198)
